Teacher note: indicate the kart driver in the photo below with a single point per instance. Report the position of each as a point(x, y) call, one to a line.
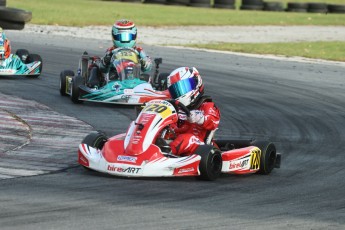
point(5, 47)
point(124, 34)
point(185, 85)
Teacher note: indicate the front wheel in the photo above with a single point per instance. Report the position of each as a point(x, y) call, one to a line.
point(211, 162)
point(95, 140)
point(75, 92)
point(268, 156)
point(63, 80)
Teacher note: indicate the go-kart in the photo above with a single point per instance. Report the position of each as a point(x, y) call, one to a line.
point(143, 151)
point(124, 84)
point(22, 63)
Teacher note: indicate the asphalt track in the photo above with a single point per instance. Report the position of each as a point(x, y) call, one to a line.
point(299, 106)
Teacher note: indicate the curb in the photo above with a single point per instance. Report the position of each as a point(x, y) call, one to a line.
point(37, 139)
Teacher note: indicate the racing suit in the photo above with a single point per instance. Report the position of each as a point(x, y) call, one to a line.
point(192, 132)
point(146, 63)
point(102, 69)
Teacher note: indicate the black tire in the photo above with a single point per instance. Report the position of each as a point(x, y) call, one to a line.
point(333, 8)
point(32, 58)
point(15, 15)
point(8, 25)
point(252, 7)
point(155, 1)
point(297, 7)
point(200, 3)
point(162, 81)
point(211, 162)
point(224, 4)
point(273, 6)
point(252, 2)
point(75, 92)
point(317, 7)
point(178, 2)
point(95, 140)
point(63, 82)
point(268, 156)
point(23, 55)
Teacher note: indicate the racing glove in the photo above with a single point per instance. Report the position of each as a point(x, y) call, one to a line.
point(146, 63)
point(197, 117)
point(106, 59)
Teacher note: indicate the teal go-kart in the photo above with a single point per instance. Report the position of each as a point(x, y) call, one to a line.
point(124, 84)
point(22, 63)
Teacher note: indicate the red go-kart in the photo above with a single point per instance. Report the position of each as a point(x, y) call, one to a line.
point(143, 151)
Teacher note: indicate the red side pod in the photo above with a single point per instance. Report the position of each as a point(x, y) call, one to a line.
point(82, 160)
point(112, 148)
point(235, 153)
point(187, 170)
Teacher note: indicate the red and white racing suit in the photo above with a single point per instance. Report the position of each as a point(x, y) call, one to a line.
point(191, 135)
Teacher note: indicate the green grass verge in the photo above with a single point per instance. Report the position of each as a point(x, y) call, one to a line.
point(334, 51)
point(96, 12)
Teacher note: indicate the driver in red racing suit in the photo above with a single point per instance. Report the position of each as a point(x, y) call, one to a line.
point(185, 86)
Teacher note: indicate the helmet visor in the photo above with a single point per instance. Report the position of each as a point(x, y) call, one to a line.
point(182, 87)
point(124, 37)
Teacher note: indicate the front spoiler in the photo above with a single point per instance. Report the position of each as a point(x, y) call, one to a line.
point(161, 166)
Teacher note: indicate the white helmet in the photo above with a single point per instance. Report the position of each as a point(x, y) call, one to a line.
point(185, 85)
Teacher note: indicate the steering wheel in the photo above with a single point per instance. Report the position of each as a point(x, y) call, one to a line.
point(178, 105)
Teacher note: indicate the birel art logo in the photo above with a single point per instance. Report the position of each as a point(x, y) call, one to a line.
point(6, 71)
point(127, 159)
point(130, 170)
point(240, 164)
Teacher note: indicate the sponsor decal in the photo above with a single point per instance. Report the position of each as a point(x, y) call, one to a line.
point(186, 170)
point(239, 164)
point(7, 71)
point(128, 91)
point(127, 158)
point(128, 170)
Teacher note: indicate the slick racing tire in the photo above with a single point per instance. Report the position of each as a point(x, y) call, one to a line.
point(210, 166)
point(75, 92)
point(63, 83)
point(95, 140)
point(15, 15)
point(32, 58)
point(268, 156)
point(23, 55)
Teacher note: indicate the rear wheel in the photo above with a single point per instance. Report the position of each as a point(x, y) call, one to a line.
point(268, 156)
point(75, 92)
point(211, 162)
point(22, 54)
point(63, 83)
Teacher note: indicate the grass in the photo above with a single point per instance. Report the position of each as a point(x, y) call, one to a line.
point(334, 51)
point(96, 12)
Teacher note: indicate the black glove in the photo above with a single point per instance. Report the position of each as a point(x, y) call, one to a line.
point(106, 59)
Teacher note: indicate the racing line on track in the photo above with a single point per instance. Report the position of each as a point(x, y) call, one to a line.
point(35, 139)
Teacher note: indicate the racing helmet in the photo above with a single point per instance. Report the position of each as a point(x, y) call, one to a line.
point(5, 47)
point(124, 33)
point(185, 85)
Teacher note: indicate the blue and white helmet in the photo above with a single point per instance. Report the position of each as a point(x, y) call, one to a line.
point(124, 33)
